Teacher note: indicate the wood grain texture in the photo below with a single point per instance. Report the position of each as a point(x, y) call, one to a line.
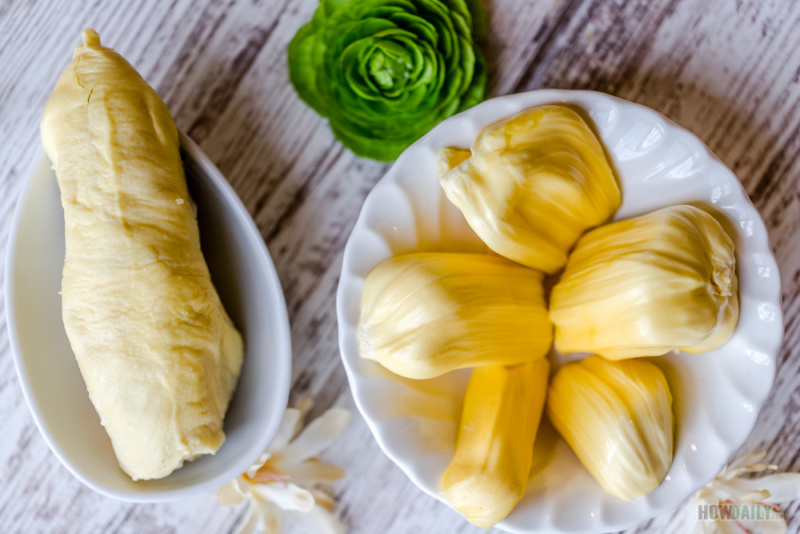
point(728, 70)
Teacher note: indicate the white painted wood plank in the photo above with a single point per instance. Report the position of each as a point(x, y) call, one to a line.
point(727, 70)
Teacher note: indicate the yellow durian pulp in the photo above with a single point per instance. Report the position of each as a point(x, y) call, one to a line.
point(617, 418)
point(648, 285)
point(425, 314)
point(533, 184)
point(489, 471)
point(155, 346)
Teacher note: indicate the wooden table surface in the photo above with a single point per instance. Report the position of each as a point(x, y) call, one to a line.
point(728, 70)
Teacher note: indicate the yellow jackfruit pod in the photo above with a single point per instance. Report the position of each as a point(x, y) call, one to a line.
point(648, 285)
point(450, 157)
point(489, 471)
point(617, 418)
point(533, 184)
point(425, 314)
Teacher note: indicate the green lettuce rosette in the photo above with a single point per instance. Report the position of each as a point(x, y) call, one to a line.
point(384, 72)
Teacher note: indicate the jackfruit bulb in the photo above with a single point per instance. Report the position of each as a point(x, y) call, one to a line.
point(648, 285)
point(533, 184)
point(425, 314)
point(489, 471)
point(617, 418)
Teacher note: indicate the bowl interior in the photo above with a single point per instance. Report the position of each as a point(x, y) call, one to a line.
point(717, 395)
point(248, 286)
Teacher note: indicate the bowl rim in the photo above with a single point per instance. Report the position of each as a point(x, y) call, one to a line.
point(545, 96)
point(283, 357)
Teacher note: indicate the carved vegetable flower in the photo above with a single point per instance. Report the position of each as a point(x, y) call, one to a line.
point(383, 72)
point(281, 484)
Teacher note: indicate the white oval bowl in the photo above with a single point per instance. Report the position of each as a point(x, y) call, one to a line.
point(248, 285)
point(717, 395)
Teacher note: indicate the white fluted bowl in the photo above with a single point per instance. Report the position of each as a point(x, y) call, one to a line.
point(248, 286)
point(717, 395)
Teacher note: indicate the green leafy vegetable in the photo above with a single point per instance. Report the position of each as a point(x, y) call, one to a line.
point(384, 72)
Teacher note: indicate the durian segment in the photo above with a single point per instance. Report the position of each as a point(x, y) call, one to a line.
point(425, 314)
point(533, 184)
point(648, 285)
point(489, 471)
point(617, 418)
point(159, 354)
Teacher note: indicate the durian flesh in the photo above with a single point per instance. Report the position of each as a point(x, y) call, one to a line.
point(156, 348)
point(617, 418)
point(489, 471)
point(648, 285)
point(533, 184)
point(425, 314)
